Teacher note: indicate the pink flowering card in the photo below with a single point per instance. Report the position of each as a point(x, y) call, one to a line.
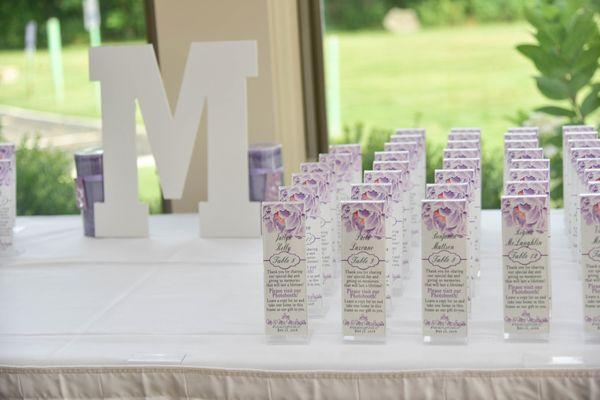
point(363, 270)
point(444, 269)
point(526, 268)
point(284, 261)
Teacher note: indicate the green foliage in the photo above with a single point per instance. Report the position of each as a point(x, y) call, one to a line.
point(44, 182)
point(565, 53)
point(369, 14)
point(121, 20)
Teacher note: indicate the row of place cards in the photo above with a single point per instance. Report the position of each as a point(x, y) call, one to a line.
point(331, 231)
point(525, 236)
point(581, 182)
point(450, 245)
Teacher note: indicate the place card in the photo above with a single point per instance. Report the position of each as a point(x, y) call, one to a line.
point(520, 136)
point(529, 174)
point(526, 267)
point(521, 144)
point(524, 129)
point(570, 189)
point(445, 273)
point(473, 164)
point(320, 181)
point(460, 191)
point(412, 216)
point(391, 156)
point(307, 195)
point(342, 170)
point(590, 262)
point(527, 188)
point(356, 151)
point(363, 270)
point(542, 163)
point(417, 163)
point(284, 261)
point(520, 154)
point(464, 144)
point(393, 229)
point(401, 210)
point(593, 187)
point(325, 168)
point(8, 152)
point(6, 204)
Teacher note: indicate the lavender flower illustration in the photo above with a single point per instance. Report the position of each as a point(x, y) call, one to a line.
point(527, 214)
point(590, 210)
point(5, 173)
point(367, 219)
point(303, 194)
point(285, 219)
point(449, 218)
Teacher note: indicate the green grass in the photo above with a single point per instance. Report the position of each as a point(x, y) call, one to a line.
point(149, 188)
point(438, 79)
point(33, 88)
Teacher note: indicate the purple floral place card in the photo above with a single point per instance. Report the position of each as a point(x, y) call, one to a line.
point(462, 129)
point(412, 147)
point(526, 270)
point(520, 154)
point(542, 163)
point(521, 144)
point(464, 136)
point(341, 168)
point(593, 187)
point(391, 156)
point(570, 184)
point(578, 128)
point(467, 163)
point(8, 152)
point(524, 129)
point(392, 166)
point(460, 191)
point(284, 261)
point(410, 131)
point(401, 212)
point(462, 153)
point(393, 228)
point(590, 262)
point(527, 188)
point(364, 268)
point(356, 151)
point(520, 136)
point(529, 174)
point(456, 176)
point(6, 204)
point(319, 182)
point(445, 271)
point(307, 195)
point(464, 144)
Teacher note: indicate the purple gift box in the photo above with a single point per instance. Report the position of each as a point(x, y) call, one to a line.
point(266, 171)
point(89, 186)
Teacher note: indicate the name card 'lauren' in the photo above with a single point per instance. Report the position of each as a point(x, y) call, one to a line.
point(284, 260)
point(444, 256)
point(526, 268)
point(363, 270)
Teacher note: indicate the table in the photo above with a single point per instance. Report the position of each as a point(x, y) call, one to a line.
point(177, 316)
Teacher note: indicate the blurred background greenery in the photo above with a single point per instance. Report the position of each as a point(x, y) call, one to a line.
point(390, 63)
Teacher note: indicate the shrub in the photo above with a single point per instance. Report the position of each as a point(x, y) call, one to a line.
point(44, 182)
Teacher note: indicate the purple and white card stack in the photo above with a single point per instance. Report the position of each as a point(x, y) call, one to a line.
point(525, 237)
point(284, 279)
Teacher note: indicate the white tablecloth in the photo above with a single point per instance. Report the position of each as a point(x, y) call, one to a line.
point(184, 315)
